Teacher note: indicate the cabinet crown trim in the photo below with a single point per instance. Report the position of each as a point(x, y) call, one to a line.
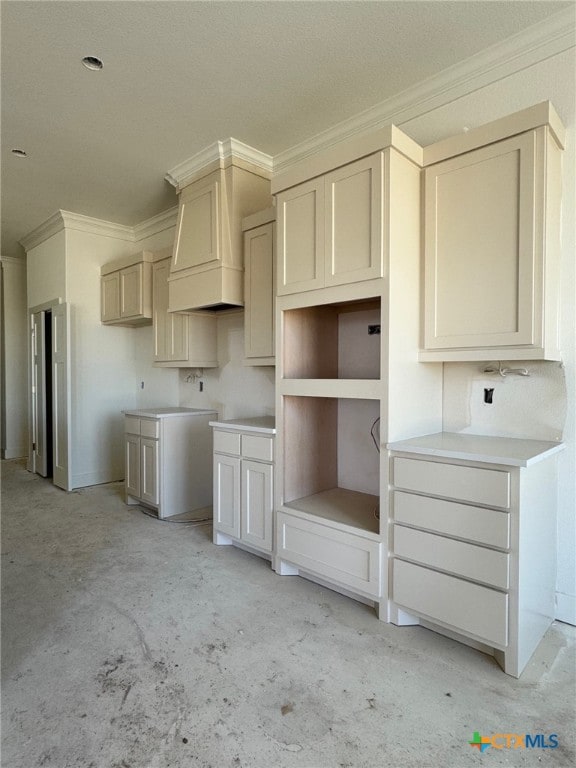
point(219, 153)
point(542, 114)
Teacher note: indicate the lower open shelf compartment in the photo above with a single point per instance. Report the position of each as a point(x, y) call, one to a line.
point(340, 505)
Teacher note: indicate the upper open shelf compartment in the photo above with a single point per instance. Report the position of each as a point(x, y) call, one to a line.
point(333, 341)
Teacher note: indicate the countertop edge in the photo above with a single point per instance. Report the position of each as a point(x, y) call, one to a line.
point(240, 426)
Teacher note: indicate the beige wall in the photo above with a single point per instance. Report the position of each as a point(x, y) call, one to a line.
point(14, 401)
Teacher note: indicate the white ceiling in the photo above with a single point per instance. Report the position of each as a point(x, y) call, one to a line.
point(180, 75)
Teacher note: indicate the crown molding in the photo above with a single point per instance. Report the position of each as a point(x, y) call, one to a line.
point(62, 220)
point(535, 44)
point(217, 153)
point(156, 224)
point(78, 221)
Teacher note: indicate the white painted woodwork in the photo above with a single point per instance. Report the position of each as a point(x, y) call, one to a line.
point(492, 239)
point(227, 442)
point(110, 293)
point(168, 455)
point(481, 525)
point(301, 238)
point(329, 228)
point(227, 495)
point(181, 340)
point(479, 611)
point(258, 447)
point(126, 290)
point(456, 557)
point(259, 293)
point(353, 239)
point(348, 559)
point(38, 395)
point(207, 262)
point(479, 486)
point(132, 465)
point(333, 378)
point(243, 484)
point(440, 547)
point(257, 504)
point(61, 397)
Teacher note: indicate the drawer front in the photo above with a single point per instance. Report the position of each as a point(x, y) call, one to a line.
point(479, 486)
point(149, 428)
point(132, 425)
point(466, 607)
point(227, 442)
point(486, 526)
point(350, 560)
point(457, 557)
point(257, 447)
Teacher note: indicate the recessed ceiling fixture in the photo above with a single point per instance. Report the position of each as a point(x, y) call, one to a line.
point(19, 153)
point(92, 62)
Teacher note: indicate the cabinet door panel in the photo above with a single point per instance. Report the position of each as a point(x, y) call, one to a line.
point(259, 291)
point(480, 247)
point(132, 465)
point(110, 297)
point(227, 495)
point(257, 504)
point(353, 216)
point(197, 229)
point(301, 238)
point(150, 471)
point(131, 291)
point(160, 272)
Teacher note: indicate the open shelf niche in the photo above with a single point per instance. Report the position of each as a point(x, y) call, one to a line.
point(331, 463)
point(333, 341)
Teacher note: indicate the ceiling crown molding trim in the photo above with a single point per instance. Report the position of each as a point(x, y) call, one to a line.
point(156, 224)
point(19, 260)
point(81, 223)
point(218, 152)
point(43, 231)
point(535, 44)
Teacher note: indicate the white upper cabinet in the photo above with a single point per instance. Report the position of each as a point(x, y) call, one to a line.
point(181, 340)
point(328, 228)
point(259, 287)
point(126, 290)
point(492, 238)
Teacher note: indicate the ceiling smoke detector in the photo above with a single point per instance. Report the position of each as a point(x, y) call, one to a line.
point(92, 62)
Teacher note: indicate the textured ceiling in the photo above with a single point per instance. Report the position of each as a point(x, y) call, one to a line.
point(179, 75)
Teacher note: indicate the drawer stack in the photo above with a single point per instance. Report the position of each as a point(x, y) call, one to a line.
point(451, 546)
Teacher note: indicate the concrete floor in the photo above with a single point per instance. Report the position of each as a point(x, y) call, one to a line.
point(134, 643)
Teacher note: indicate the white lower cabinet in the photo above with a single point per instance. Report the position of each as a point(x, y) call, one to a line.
point(168, 459)
point(473, 541)
point(243, 483)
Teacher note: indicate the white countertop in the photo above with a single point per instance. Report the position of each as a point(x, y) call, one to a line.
point(265, 424)
point(167, 412)
point(511, 451)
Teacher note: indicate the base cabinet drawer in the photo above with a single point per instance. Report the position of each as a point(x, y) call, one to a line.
point(484, 526)
point(227, 442)
point(346, 558)
point(474, 484)
point(470, 608)
point(458, 557)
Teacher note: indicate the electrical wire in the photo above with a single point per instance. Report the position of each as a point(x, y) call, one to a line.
point(376, 442)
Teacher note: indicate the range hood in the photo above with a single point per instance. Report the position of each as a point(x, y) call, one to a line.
point(217, 189)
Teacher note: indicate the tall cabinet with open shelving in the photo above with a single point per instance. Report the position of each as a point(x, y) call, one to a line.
point(348, 330)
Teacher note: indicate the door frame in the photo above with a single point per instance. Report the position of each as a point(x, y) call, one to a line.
point(66, 480)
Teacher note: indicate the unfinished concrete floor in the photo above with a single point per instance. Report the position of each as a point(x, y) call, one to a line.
point(134, 643)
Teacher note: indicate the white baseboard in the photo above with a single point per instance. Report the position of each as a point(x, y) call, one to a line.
point(566, 608)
